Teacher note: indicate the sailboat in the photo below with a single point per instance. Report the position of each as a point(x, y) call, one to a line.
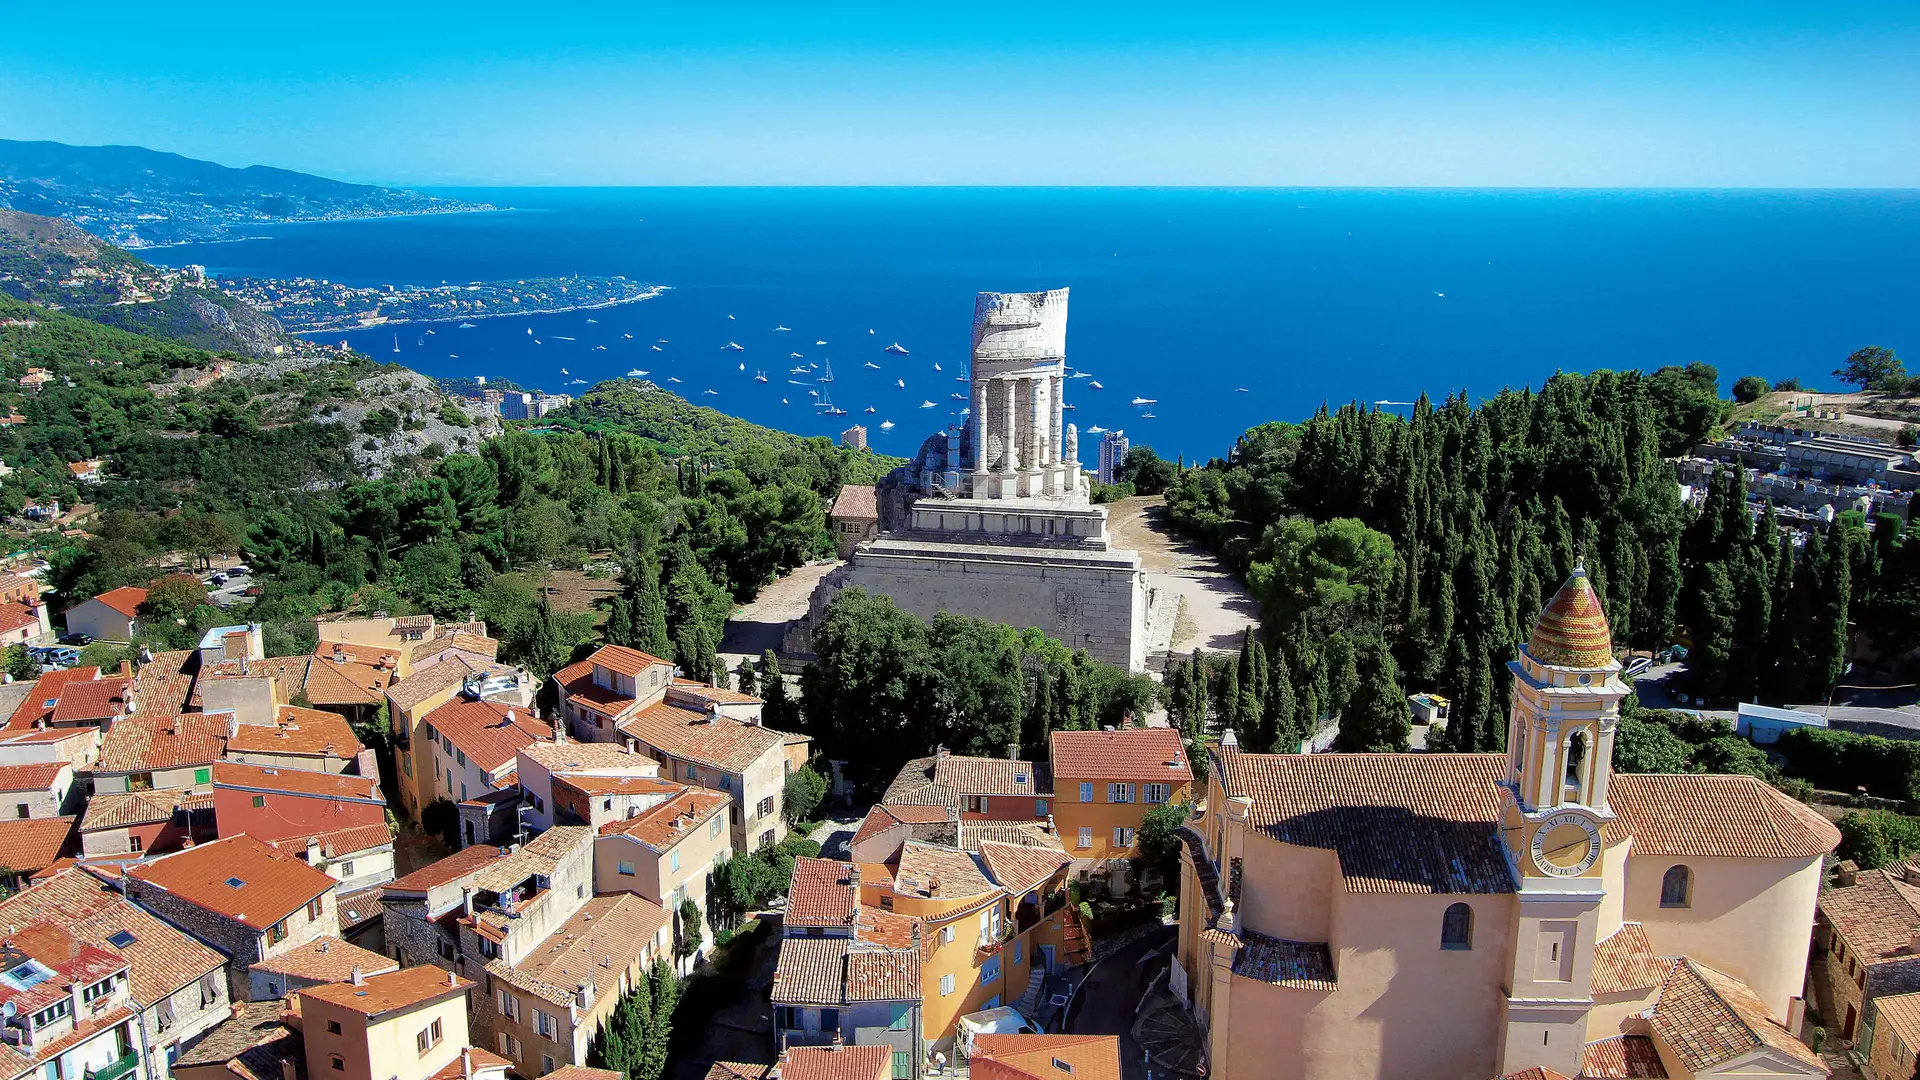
point(926, 404)
point(896, 349)
point(799, 370)
point(759, 376)
point(733, 346)
point(873, 366)
point(827, 375)
point(1145, 401)
point(886, 425)
point(657, 348)
point(593, 320)
point(936, 365)
point(637, 373)
point(466, 326)
point(821, 342)
point(872, 409)
point(1095, 385)
point(715, 393)
point(778, 329)
point(795, 356)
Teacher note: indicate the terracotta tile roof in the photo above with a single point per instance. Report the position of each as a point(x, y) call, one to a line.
point(408, 988)
point(572, 755)
point(490, 733)
point(663, 826)
point(235, 774)
point(31, 844)
point(621, 659)
point(84, 1031)
point(356, 909)
point(581, 1072)
point(875, 926)
point(1128, 754)
point(73, 962)
point(475, 1060)
point(969, 835)
point(337, 842)
point(130, 808)
point(1626, 962)
point(839, 971)
point(856, 501)
point(423, 684)
point(48, 688)
point(160, 958)
point(327, 959)
point(351, 652)
point(15, 615)
point(453, 867)
point(162, 686)
point(838, 1063)
point(1400, 823)
point(329, 683)
point(927, 870)
point(1537, 1072)
point(251, 1045)
point(298, 731)
point(941, 780)
point(271, 884)
point(1032, 1057)
point(1017, 867)
point(718, 742)
point(611, 785)
point(126, 599)
point(881, 818)
point(734, 1070)
point(1715, 816)
point(36, 777)
point(1900, 1013)
point(1876, 916)
point(1709, 1018)
point(622, 926)
point(1623, 1057)
point(1572, 631)
point(822, 893)
point(288, 672)
point(718, 695)
point(145, 743)
point(96, 699)
point(1297, 965)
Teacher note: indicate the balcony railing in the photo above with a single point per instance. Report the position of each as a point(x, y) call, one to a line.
point(116, 1068)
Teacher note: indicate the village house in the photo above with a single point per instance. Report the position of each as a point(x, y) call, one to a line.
point(178, 984)
point(1869, 923)
point(271, 803)
point(253, 1042)
point(87, 472)
point(305, 739)
point(29, 745)
point(40, 790)
point(23, 615)
point(565, 782)
point(855, 518)
point(76, 697)
point(1106, 781)
point(1044, 1057)
point(146, 822)
point(350, 679)
point(1475, 915)
point(240, 896)
point(252, 690)
point(70, 1011)
point(551, 1002)
point(666, 853)
point(402, 1025)
point(322, 960)
point(28, 846)
point(359, 857)
point(1894, 1037)
point(836, 1062)
point(145, 753)
point(428, 688)
point(849, 974)
point(976, 788)
point(111, 616)
point(472, 746)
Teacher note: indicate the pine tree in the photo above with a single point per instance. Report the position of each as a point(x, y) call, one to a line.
point(1377, 718)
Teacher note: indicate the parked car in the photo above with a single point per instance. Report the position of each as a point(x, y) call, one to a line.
point(1636, 666)
point(77, 639)
point(252, 590)
point(1005, 1020)
point(237, 571)
point(55, 656)
point(217, 580)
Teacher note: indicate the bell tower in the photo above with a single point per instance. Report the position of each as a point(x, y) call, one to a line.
point(1565, 707)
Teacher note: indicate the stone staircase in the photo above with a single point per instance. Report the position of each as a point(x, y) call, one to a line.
point(1029, 1002)
point(1075, 946)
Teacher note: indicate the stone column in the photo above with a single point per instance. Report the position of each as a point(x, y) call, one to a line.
point(1057, 386)
point(978, 422)
point(1037, 422)
point(1010, 437)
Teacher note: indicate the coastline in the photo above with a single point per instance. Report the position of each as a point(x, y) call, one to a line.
point(484, 209)
point(652, 292)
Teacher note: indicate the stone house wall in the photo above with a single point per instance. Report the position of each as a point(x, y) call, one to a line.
point(241, 944)
point(183, 1016)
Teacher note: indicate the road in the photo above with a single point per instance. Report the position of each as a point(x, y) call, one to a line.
point(1218, 607)
point(1892, 712)
point(1108, 997)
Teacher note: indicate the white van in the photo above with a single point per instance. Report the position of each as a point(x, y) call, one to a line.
point(1005, 1020)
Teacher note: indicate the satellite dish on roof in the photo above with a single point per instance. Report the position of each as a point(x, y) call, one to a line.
point(9, 1010)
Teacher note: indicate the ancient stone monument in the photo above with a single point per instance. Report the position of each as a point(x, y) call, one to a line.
point(992, 517)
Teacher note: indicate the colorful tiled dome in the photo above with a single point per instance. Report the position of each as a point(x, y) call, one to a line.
point(1572, 631)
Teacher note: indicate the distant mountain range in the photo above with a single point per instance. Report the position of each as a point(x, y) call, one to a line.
point(55, 264)
point(136, 197)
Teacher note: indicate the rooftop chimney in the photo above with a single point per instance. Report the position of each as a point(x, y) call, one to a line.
point(933, 884)
point(1849, 872)
point(853, 875)
point(359, 978)
point(466, 1061)
point(452, 979)
point(466, 900)
point(1013, 751)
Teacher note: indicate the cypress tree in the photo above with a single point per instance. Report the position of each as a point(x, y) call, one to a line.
point(619, 628)
point(650, 614)
point(773, 690)
point(1827, 634)
point(1278, 733)
point(1229, 709)
point(1067, 694)
point(744, 681)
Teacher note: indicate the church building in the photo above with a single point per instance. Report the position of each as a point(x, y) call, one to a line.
point(1465, 916)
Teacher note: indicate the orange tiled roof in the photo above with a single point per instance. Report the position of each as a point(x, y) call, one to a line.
point(15, 615)
point(1709, 1017)
point(1900, 1012)
point(457, 865)
point(822, 894)
point(1400, 823)
point(1876, 916)
point(717, 742)
point(839, 971)
point(1622, 1057)
point(329, 683)
point(929, 870)
point(28, 845)
point(1537, 1072)
point(1018, 867)
point(407, 988)
point(1572, 631)
point(237, 877)
point(1032, 1057)
point(874, 1062)
point(662, 826)
point(309, 732)
point(727, 1070)
point(163, 685)
point(144, 743)
point(1714, 816)
point(92, 699)
point(327, 959)
point(36, 777)
point(475, 1060)
point(1143, 754)
point(623, 660)
point(490, 733)
point(1626, 962)
point(337, 842)
point(940, 780)
point(252, 1045)
point(39, 703)
point(1297, 965)
point(160, 958)
point(117, 811)
point(126, 599)
point(622, 926)
point(581, 1072)
point(294, 781)
point(882, 817)
point(856, 501)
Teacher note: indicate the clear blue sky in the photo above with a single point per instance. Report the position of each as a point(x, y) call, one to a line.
point(1752, 94)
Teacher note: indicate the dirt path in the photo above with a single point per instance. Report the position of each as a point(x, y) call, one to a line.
point(1217, 608)
point(758, 626)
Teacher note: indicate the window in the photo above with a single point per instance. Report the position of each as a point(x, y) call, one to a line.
point(346, 869)
point(946, 985)
point(545, 1024)
point(946, 935)
point(713, 828)
point(766, 838)
point(1039, 808)
point(258, 802)
point(990, 971)
point(626, 868)
point(444, 947)
point(1016, 950)
point(829, 1019)
point(315, 907)
point(1676, 888)
point(726, 783)
point(461, 757)
point(97, 990)
point(902, 1065)
point(22, 810)
point(976, 804)
point(203, 776)
point(135, 843)
point(1122, 837)
point(766, 806)
point(333, 1027)
point(786, 1017)
point(1086, 836)
point(898, 1016)
point(1086, 791)
point(509, 1006)
point(509, 1045)
point(428, 1038)
point(546, 1064)
point(277, 933)
point(1157, 793)
point(212, 989)
point(1456, 927)
point(1119, 793)
point(693, 772)
point(673, 860)
point(52, 1012)
point(337, 1063)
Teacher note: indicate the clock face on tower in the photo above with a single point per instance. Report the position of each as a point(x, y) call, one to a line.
point(1566, 845)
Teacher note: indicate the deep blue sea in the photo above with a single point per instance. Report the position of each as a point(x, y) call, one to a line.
point(1184, 296)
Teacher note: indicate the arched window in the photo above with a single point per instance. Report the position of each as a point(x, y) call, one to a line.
point(1456, 927)
point(1575, 789)
point(1676, 888)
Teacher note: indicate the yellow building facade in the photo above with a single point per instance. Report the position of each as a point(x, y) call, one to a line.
point(1104, 782)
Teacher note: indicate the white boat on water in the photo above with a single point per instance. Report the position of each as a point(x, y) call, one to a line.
point(886, 425)
point(936, 365)
point(662, 341)
point(759, 376)
point(872, 409)
point(743, 367)
point(396, 343)
point(599, 348)
point(1095, 385)
point(1145, 401)
point(578, 382)
point(733, 346)
point(715, 393)
point(561, 337)
point(897, 349)
point(564, 371)
point(795, 382)
point(593, 320)
point(798, 369)
point(466, 326)
point(1241, 390)
point(901, 383)
point(795, 356)
point(784, 401)
point(779, 329)
point(637, 373)
point(629, 337)
point(820, 342)
point(1148, 416)
point(529, 331)
point(657, 348)
point(672, 378)
point(958, 397)
point(872, 365)
point(1095, 429)
point(926, 404)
